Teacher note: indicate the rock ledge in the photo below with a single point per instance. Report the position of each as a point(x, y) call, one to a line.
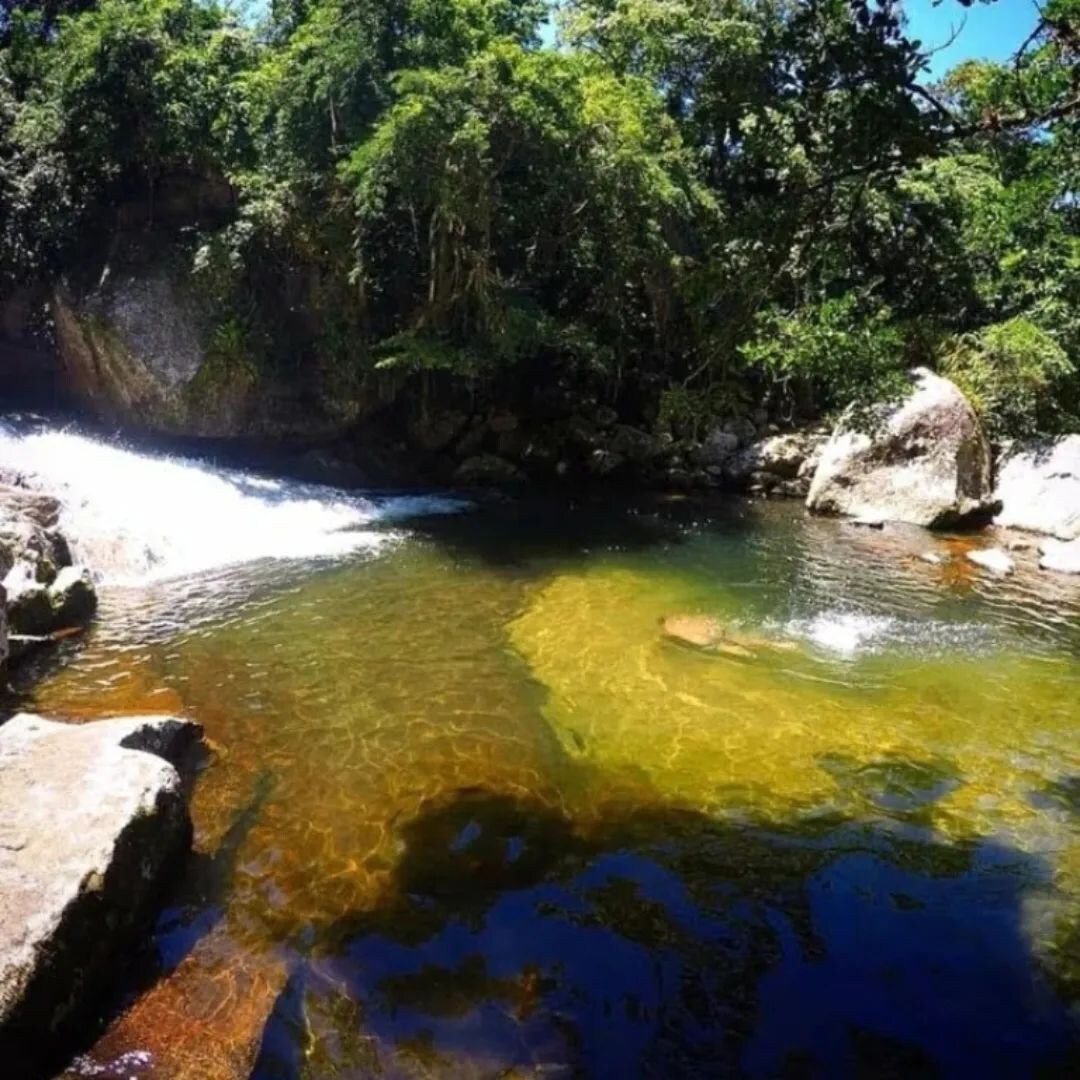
point(92, 818)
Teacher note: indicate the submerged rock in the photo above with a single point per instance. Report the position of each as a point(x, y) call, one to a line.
point(92, 818)
point(993, 559)
point(709, 634)
point(925, 462)
point(1039, 487)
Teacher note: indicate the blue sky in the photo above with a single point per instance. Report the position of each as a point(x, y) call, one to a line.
point(990, 31)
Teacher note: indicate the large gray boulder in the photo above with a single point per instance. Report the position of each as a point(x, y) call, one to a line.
point(92, 818)
point(924, 461)
point(1039, 487)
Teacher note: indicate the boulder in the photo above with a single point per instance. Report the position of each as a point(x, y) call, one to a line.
point(93, 817)
point(634, 444)
point(779, 464)
point(72, 597)
point(37, 609)
point(924, 461)
point(1062, 556)
point(718, 447)
point(1039, 487)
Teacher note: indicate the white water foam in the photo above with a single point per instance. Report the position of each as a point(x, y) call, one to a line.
point(135, 517)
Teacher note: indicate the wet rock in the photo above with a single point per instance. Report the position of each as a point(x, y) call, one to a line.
point(1039, 487)
point(93, 817)
point(925, 461)
point(780, 464)
point(1061, 556)
point(37, 609)
point(718, 447)
point(436, 432)
point(30, 535)
point(993, 559)
point(678, 479)
point(29, 609)
point(487, 469)
point(634, 445)
point(72, 597)
point(784, 455)
point(604, 462)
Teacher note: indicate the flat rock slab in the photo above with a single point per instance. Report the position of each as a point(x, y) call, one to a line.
point(92, 817)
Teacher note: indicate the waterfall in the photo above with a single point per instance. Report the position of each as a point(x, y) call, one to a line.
point(135, 517)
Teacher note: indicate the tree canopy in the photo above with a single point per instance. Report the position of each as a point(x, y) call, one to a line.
point(701, 202)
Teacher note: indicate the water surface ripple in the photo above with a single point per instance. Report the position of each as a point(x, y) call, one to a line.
point(467, 812)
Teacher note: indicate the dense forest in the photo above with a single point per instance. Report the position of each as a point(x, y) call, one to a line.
point(680, 210)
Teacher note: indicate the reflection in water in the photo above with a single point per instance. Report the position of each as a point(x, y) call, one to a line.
point(504, 829)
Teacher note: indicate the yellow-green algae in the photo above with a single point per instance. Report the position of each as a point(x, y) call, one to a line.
point(385, 733)
point(767, 735)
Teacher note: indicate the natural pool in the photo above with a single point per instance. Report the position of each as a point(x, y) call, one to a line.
point(467, 813)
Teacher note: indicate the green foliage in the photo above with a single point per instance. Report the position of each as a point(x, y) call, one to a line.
point(1017, 377)
point(496, 194)
point(691, 206)
point(848, 350)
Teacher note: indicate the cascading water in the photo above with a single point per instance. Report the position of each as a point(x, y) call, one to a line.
point(134, 517)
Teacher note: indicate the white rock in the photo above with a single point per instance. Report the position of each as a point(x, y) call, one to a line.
point(1062, 556)
point(1039, 488)
point(926, 463)
point(993, 559)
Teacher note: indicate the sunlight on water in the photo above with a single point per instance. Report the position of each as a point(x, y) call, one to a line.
point(467, 811)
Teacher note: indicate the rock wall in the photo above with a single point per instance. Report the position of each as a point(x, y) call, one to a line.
point(134, 353)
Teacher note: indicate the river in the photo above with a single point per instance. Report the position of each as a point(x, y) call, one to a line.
point(465, 812)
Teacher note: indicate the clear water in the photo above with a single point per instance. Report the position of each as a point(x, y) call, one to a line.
point(467, 813)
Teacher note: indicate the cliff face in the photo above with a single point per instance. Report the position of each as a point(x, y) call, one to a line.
point(135, 352)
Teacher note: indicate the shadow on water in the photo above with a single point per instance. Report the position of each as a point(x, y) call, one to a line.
point(520, 533)
point(194, 905)
point(662, 942)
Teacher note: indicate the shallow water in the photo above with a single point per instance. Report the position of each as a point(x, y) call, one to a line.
point(466, 813)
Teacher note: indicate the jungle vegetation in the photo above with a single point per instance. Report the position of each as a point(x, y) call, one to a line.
point(680, 206)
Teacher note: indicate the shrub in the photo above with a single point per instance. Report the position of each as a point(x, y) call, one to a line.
point(1016, 376)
